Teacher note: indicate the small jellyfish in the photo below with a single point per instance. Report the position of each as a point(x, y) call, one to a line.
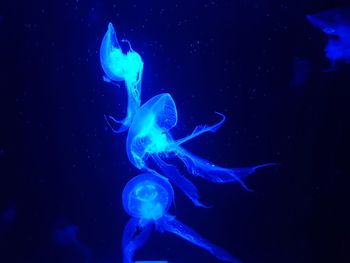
point(336, 24)
point(122, 67)
point(147, 199)
point(149, 138)
point(67, 236)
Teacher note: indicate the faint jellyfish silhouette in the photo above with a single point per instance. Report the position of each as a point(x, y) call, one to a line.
point(120, 67)
point(7, 217)
point(301, 72)
point(147, 199)
point(67, 236)
point(149, 137)
point(336, 24)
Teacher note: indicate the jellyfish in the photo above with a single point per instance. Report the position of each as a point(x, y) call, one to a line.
point(147, 199)
point(336, 24)
point(150, 138)
point(67, 236)
point(122, 67)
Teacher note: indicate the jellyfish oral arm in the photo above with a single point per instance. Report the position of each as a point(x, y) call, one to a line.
point(174, 175)
point(202, 129)
point(214, 173)
point(132, 241)
point(133, 105)
point(170, 224)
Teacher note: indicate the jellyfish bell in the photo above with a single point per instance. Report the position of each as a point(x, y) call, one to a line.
point(117, 65)
point(147, 196)
point(149, 131)
point(159, 112)
point(110, 51)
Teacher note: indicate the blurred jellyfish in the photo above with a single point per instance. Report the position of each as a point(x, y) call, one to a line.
point(149, 137)
point(147, 199)
point(336, 24)
point(67, 236)
point(8, 215)
point(6, 219)
point(121, 67)
point(301, 72)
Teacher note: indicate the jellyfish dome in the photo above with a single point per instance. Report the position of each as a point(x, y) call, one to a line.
point(148, 132)
point(117, 65)
point(147, 196)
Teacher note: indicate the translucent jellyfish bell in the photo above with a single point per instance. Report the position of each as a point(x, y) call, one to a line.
point(150, 130)
point(147, 198)
point(122, 67)
point(336, 24)
point(150, 137)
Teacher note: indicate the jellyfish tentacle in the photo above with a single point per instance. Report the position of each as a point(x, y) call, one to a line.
point(128, 42)
point(125, 123)
point(120, 129)
point(200, 129)
point(174, 226)
point(174, 175)
point(105, 78)
point(198, 166)
point(133, 241)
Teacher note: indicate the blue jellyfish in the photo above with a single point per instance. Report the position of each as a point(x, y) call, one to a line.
point(149, 138)
point(120, 67)
point(67, 236)
point(336, 24)
point(147, 199)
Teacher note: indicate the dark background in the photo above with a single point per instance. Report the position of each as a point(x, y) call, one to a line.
point(259, 62)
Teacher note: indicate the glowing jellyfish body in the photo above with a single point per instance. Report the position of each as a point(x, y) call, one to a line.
point(147, 199)
point(120, 67)
point(149, 137)
point(336, 24)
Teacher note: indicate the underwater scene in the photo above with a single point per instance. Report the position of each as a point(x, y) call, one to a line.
point(174, 131)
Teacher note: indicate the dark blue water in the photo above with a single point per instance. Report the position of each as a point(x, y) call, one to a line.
point(259, 62)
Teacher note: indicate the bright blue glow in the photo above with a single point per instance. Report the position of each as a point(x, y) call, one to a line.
point(120, 67)
point(147, 198)
point(336, 24)
point(150, 145)
point(149, 136)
